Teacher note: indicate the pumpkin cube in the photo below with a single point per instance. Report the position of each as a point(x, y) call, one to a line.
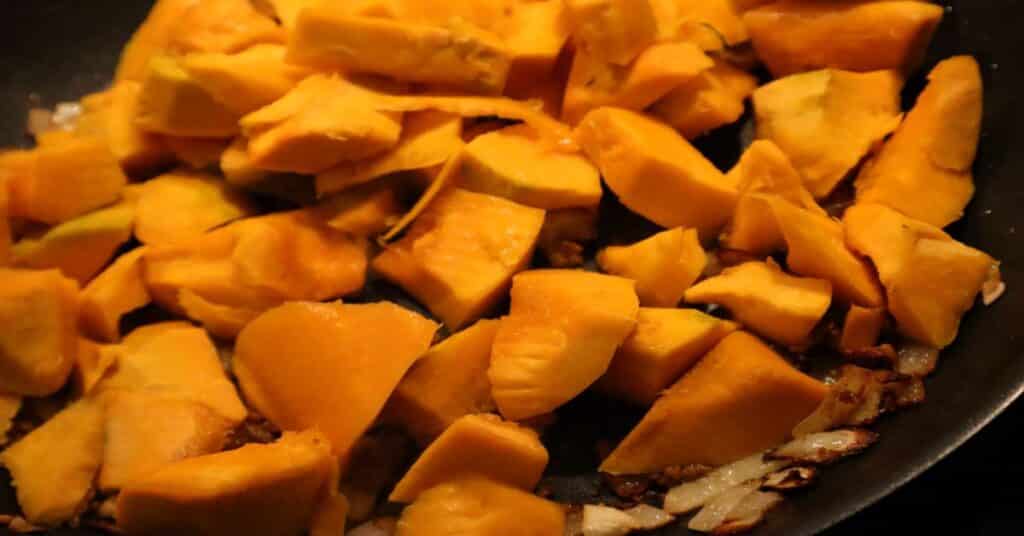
point(663, 266)
point(715, 98)
point(246, 81)
point(862, 328)
point(117, 290)
point(137, 151)
point(763, 298)
point(151, 38)
point(366, 210)
point(740, 399)
point(459, 257)
point(722, 17)
point(558, 339)
point(534, 37)
point(172, 102)
point(223, 26)
point(199, 202)
point(616, 31)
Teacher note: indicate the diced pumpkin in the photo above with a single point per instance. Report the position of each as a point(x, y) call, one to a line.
point(224, 321)
point(82, 170)
point(92, 364)
point(655, 172)
point(137, 151)
point(476, 445)
point(297, 364)
point(181, 362)
point(197, 153)
point(428, 139)
point(38, 332)
point(666, 343)
point(794, 36)
point(198, 202)
point(319, 124)
point(246, 81)
point(763, 298)
point(172, 102)
point(456, 53)
point(514, 164)
point(862, 328)
point(924, 170)
point(817, 248)
point(663, 266)
point(930, 279)
point(223, 26)
point(448, 382)
point(459, 257)
point(740, 399)
point(827, 121)
point(151, 38)
point(558, 339)
point(53, 467)
point(257, 489)
point(616, 31)
point(365, 210)
point(656, 71)
point(237, 166)
point(715, 98)
point(487, 14)
point(534, 37)
point(9, 407)
point(118, 290)
point(480, 507)
point(80, 247)
point(721, 16)
point(145, 430)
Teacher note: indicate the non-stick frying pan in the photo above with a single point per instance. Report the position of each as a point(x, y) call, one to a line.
point(56, 50)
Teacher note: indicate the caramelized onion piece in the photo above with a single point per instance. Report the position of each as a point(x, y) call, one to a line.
point(790, 479)
point(692, 495)
point(824, 447)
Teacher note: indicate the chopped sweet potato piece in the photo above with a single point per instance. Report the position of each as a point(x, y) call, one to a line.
point(817, 248)
point(174, 103)
point(666, 343)
point(663, 266)
point(616, 31)
point(512, 163)
point(222, 26)
point(481, 507)
point(740, 399)
point(712, 100)
point(794, 36)
point(198, 201)
point(428, 139)
point(80, 247)
point(862, 328)
point(449, 381)
point(558, 339)
point(269, 489)
point(9, 407)
point(460, 255)
point(655, 172)
point(146, 430)
point(299, 362)
point(151, 38)
point(930, 279)
point(246, 81)
point(827, 121)
point(117, 290)
point(54, 466)
point(476, 445)
point(762, 297)
point(924, 170)
point(39, 335)
point(456, 53)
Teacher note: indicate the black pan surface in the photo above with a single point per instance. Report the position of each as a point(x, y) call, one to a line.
point(57, 50)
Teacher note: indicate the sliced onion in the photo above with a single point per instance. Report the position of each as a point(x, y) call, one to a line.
point(716, 512)
point(606, 521)
point(385, 526)
point(749, 512)
point(66, 114)
point(907, 393)
point(790, 479)
point(647, 517)
point(574, 521)
point(994, 287)
point(692, 495)
point(844, 397)
point(917, 360)
point(824, 447)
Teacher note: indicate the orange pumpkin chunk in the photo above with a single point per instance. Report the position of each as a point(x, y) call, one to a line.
point(198, 201)
point(713, 99)
point(861, 328)
point(119, 289)
point(663, 266)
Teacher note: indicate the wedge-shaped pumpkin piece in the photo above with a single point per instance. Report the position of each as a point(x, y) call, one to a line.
point(930, 279)
point(448, 382)
point(171, 102)
point(558, 339)
point(54, 466)
point(80, 247)
point(721, 17)
point(794, 36)
point(9, 407)
point(365, 210)
point(258, 489)
point(428, 139)
point(459, 257)
point(455, 54)
point(663, 266)
point(223, 26)
point(198, 202)
point(299, 362)
point(924, 171)
point(534, 36)
point(658, 70)
point(147, 429)
point(615, 30)
point(763, 298)
point(481, 445)
point(82, 170)
point(92, 364)
point(715, 98)
point(740, 399)
point(655, 172)
point(118, 290)
point(112, 118)
point(39, 334)
point(861, 328)
point(151, 38)
point(475, 505)
point(827, 121)
point(666, 343)
point(246, 81)
point(817, 248)
point(513, 163)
